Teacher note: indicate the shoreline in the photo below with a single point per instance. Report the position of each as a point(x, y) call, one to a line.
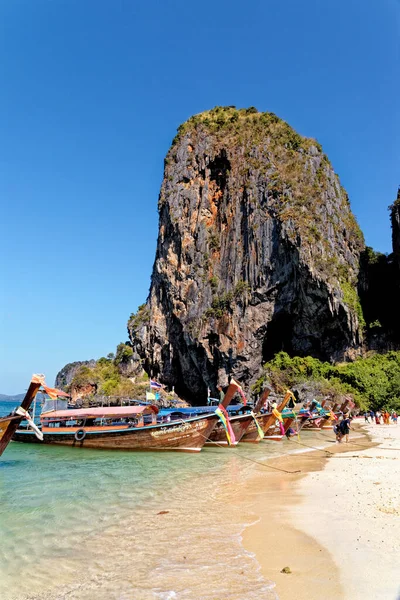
point(315, 522)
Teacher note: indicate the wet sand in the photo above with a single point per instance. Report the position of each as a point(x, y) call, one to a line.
point(335, 524)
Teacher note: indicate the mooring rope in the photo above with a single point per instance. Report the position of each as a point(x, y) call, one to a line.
point(240, 455)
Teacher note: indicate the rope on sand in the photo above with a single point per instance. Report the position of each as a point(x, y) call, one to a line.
point(257, 462)
point(313, 447)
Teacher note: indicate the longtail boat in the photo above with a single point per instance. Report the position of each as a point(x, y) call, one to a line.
point(274, 432)
point(328, 420)
point(316, 414)
point(264, 420)
point(122, 428)
point(10, 423)
point(234, 420)
point(239, 419)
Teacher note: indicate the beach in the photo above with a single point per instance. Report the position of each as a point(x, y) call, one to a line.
point(336, 523)
point(224, 523)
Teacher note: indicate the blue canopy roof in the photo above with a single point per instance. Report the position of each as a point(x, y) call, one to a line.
point(198, 410)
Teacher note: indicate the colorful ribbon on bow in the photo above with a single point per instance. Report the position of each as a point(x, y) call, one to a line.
point(224, 418)
point(260, 431)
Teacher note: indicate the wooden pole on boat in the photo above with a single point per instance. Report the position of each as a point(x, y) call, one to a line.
point(34, 409)
point(11, 423)
point(230, 392)
point(262, 400)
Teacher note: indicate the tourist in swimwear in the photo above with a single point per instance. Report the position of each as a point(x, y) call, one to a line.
point(345, 428)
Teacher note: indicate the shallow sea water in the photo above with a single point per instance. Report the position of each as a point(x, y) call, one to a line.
point(84, 524)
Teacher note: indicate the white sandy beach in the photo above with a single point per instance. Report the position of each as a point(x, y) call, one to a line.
point(336, 525)
point(352, 509)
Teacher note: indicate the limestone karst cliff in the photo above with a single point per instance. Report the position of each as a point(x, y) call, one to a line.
point(395, 219)
point(379, 290)
point(257, 251)
point(69, 371)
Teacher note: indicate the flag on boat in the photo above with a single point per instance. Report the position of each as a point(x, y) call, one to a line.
point(52, 392)
point(155, 385)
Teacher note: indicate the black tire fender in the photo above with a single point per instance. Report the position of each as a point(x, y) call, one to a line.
point(80, 435)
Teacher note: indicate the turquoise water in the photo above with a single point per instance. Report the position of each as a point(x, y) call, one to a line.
point(84, 524)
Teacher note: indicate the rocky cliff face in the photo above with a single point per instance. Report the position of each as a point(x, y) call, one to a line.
point(67, 373)
point(395, 219)
point(257, 251)
point(379, 288)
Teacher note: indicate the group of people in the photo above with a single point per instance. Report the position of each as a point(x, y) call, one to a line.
point(380, 417)
point(342, 428)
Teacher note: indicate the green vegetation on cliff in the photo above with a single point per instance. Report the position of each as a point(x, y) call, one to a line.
point(108, 376)
point(139, 318)
point(374, 381)
point(104, 378)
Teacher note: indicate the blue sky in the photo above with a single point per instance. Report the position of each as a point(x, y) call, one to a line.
point(92, 94)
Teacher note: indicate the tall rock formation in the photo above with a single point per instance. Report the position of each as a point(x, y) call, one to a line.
point(379, 289)
point(395, 219)
point(69, 371)
point(257, 251)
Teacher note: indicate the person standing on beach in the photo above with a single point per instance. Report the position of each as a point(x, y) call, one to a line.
point(336, 430)
point(366, 417)
point(394, 417)
point(221, 394)
point(378, 417)
point(345, 428)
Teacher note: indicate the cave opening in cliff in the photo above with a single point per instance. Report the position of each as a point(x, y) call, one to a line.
point(278, 336)
point(219, 170)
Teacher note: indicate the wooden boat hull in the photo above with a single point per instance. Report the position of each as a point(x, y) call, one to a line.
point(251, 435)
point(7, 424)
point(10, 423)
point(187, 435)
point(329, 425)
point(239, 424)
point(274, 432)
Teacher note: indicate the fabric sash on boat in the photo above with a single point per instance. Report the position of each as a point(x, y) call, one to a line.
point(259, 430)
point(224, 418)
point(52, 392)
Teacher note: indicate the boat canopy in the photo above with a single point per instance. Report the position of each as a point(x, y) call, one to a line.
point(198, 410)
point(187, 410)
point(101, 412)
point(52, 405)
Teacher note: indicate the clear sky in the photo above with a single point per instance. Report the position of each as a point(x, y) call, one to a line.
point(92, 94)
